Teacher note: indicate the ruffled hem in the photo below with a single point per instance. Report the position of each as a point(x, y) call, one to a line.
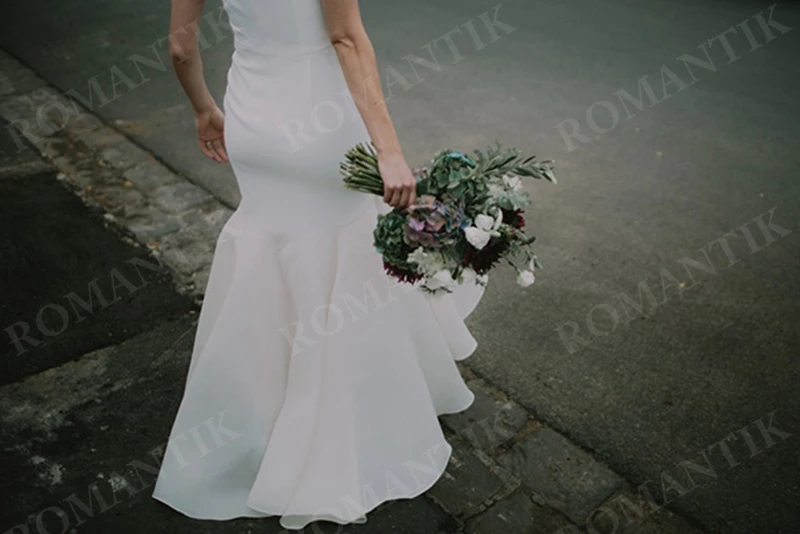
point(316, 380)
point(299, 522)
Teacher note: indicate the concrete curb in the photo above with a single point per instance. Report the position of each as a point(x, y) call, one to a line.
point(176, 219)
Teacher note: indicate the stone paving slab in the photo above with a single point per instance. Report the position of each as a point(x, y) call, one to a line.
point(147, 177)
point(79, 424)
point(520, 515)
point(492, 419)
point(561, 474)
point(11, 152)
point(467, 484)
point(629, 512)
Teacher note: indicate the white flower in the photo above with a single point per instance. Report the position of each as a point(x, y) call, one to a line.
point(427, 262)
point(485, 227)
point(512, 182)
point(525, 278)
point(498, 220)
point(484, 222)
point(441, 279)
point(418, 256)
point(468, 275)
point(477, 237)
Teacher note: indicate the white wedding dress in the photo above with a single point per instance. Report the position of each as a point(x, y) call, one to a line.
point(316, 380)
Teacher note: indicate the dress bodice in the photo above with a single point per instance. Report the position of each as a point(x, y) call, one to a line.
point(277, 27)
point(289, 116)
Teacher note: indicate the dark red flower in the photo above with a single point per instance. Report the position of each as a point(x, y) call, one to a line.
point(401, 274)
point(483, 260)
point(514, 218)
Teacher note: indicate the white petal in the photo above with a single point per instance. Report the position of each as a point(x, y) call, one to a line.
point(441, 279)
point(525, 278)
point(417, 256)
point(444, 276)
point(477, 237)
point(468, 275)
point(498, 220)
point(484, 222)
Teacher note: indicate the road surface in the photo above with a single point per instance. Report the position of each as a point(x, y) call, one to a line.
point(663, 327)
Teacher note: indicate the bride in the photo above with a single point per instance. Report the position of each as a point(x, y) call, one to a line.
point(315, 380)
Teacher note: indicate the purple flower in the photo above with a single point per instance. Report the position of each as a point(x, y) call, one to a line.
point(432, 222)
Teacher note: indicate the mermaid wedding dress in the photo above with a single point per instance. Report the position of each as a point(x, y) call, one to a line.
point(316, 380)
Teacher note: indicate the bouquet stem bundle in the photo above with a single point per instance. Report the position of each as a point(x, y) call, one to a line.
point(361, 170)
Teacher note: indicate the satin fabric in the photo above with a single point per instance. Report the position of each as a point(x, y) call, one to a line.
point(315, 380)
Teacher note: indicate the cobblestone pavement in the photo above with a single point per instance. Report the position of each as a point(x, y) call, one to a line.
point(509, 473)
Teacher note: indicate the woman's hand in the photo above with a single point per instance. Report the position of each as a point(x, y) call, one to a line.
point(211, 133)
point(399, 184)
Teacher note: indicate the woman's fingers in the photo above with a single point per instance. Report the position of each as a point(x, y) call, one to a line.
point(392, 195)
point(412, 197)
point(213, 149)
point(220, 148)
point(404, 198)
point(398, 200)
point(397, 194)
point(401, 196)
point(211, 134)
point(411, 190)
point(399, 183)
point(206, 148)
point(224, 146)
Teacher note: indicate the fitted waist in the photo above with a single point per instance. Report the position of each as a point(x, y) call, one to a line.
point(277, 51)
point(283, 63)
point(284, 84)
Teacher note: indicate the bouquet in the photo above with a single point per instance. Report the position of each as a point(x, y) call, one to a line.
point(468, 216)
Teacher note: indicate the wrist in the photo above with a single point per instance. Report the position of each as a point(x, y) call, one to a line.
point(206, 106)
point(390, 151)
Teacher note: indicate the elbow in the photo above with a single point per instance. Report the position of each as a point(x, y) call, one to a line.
point(343, 42)
point(349, 38)
point(181, 52)
point(179, 56)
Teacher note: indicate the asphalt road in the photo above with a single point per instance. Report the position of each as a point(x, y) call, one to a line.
point(711, 153)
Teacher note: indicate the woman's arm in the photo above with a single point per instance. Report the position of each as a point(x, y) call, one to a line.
point(186, 61)
point(357, 57)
